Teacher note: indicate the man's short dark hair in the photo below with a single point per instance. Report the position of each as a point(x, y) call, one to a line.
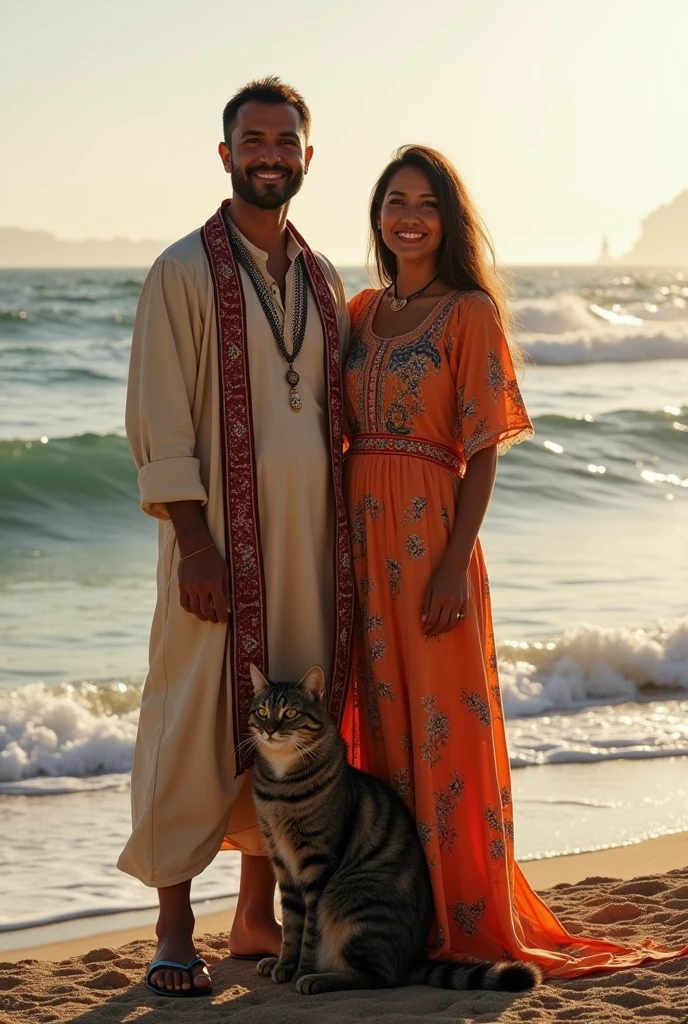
point(265, 90)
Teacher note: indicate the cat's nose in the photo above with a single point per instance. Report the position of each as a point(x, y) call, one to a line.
point(270, 729)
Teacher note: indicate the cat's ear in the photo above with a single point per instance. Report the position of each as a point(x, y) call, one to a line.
point(260, 683)
point(314, 683)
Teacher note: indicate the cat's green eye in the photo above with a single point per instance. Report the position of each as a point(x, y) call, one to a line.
point(262, 712)
point(290, 713)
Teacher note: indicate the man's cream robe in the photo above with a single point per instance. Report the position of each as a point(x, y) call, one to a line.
point(186, 800)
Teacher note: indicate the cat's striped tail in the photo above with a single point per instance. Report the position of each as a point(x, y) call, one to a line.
point(507, 976)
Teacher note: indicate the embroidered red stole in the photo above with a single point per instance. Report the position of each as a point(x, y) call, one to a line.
point(247, 629)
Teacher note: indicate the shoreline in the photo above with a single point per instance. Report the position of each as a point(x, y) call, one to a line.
point(650, 857)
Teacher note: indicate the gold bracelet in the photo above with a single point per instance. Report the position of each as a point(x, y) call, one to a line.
point(199, 552)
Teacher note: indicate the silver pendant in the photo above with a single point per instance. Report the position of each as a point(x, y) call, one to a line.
point(294, 399)
point(398, 304)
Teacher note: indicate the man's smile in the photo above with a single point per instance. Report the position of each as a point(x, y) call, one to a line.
point(269, 175)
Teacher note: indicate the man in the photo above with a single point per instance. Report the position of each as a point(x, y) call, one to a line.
point(234, 417)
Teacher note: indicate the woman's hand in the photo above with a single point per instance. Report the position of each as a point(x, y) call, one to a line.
point(446, 599)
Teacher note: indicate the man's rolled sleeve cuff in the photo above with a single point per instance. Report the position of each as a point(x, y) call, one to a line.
point(170, 480)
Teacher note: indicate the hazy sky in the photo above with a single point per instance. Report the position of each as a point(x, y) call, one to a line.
point(566, 119)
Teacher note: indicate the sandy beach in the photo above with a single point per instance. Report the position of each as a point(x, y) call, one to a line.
point(628, 893)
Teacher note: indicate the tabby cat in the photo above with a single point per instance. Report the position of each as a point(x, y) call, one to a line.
point(356, 896)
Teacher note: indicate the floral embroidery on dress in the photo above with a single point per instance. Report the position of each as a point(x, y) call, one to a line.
point(497, 701)
point(357, 526)
point(441, 936)
point(470, 408)
point(415, 546)
point(436, 729)
point(405, 741)
point(367, 585)
point(497, 848)
point(378, 649)
point(445, 803)
point(384, 691)
point(469, 915)
point(386, 376)
point(407, 367)
point(444, 516)
point(401, 782)
point(476, 440)
point(492, 656)
point(415, 510)
point(358, 351)
point(371, 621)
point(357, 530)
point(373, 506)
point(493, 819)
point(465, 410)
point(475, 703)
point(499, 381)
point(424, 832)
point(394, 576)
point(496, 377)
point(505, 796)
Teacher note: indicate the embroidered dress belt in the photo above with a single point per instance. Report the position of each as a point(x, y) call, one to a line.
point(418, 447)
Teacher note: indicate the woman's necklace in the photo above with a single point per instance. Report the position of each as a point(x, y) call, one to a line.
point(398, 304)
point(299, 309)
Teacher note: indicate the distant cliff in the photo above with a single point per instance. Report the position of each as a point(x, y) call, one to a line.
point(663, 236)
point(20, 248)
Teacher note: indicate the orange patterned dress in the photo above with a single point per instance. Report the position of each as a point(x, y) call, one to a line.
point(425, 714)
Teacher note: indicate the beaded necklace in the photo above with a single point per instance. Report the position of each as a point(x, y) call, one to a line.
point(266, 299)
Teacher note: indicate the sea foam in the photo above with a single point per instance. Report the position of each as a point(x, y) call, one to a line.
point(88, 731)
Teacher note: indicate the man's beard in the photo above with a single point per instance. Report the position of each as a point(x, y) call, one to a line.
point(272, 196)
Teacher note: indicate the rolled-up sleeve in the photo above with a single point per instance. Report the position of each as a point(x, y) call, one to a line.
point(162, 381)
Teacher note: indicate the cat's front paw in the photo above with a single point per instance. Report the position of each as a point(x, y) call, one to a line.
point(271, 967)
point(265, 966)
point(311, 984)
point(283, 972)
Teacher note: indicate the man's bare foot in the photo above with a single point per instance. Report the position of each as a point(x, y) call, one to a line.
point(251, 937)
point(180, 948)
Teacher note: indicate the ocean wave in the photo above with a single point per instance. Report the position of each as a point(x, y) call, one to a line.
point(614, 345)
point(87, 466)
point(558, 314)
point(565, 329)
point(89, 730)
point(43, 480)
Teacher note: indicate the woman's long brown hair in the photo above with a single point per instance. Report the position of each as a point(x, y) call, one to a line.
point(467, 258)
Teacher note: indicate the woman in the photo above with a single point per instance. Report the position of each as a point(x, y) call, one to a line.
point(432, 399)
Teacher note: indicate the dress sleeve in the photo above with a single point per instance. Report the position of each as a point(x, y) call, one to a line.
point(358, 304)
point(490, 408)
point(162, 381)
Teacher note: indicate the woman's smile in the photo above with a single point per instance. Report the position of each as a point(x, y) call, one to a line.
point(411, 236)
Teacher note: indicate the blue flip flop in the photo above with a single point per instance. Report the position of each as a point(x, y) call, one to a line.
point(178, 993)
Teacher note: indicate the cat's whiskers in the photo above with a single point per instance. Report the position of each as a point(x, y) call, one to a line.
point(248, 743)
point(304, 752)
